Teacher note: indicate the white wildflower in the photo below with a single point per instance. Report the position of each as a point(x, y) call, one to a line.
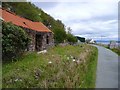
point(49, 62)
point(73, 60)
point(16, 80)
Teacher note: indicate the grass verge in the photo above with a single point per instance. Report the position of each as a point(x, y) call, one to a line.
point(116, 50)
point(61, 67)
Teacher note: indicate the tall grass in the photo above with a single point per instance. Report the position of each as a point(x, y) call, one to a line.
point(60, 67)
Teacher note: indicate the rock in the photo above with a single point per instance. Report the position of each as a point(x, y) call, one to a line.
point(43, 52)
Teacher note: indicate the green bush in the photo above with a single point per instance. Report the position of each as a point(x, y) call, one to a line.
point(71, 38)
point(14, 41)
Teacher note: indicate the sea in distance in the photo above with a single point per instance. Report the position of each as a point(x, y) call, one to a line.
point(106, 42)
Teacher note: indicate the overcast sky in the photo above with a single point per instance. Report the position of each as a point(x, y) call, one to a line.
point(87, 18)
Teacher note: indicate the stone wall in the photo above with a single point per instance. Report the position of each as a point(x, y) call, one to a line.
point(44, 40)
point(40, 40)
point(32, 34)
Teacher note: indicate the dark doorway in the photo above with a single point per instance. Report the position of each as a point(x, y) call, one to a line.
point(47, 39)
point(38, 40)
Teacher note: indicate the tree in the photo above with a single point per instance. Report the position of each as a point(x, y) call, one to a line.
point(14, 41)
point(70, 37)
point(69, 30)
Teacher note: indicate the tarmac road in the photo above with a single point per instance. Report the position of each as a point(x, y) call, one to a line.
point(107, 69)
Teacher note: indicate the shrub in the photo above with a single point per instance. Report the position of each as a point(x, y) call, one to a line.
point(14, 41)
point(71, 38)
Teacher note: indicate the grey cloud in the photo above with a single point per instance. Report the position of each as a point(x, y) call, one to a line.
point(85, 18)
point(96, 18)
point(46, 5)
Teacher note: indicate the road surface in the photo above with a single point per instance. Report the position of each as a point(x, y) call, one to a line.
point(107, 69)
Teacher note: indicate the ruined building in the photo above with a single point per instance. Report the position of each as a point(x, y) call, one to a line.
point(41, 36)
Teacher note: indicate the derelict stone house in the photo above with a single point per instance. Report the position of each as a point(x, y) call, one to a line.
point(41, 36)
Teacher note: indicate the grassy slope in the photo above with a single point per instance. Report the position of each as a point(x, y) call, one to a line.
point(33, 70)
point(116, 50)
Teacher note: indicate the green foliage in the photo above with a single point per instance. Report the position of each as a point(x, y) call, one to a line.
point(71, 38)
point(90, 80)
point(14, 40)
point(59, 32)
point(116, 50)
point(56, 26)
point(24, 9)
